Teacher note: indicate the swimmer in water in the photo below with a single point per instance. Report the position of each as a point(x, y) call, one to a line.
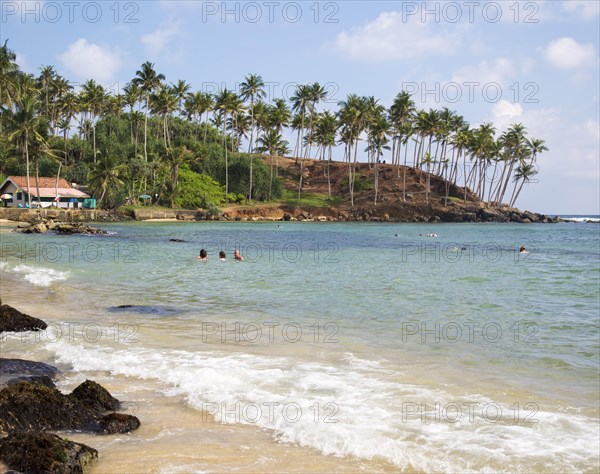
point(522, 249)
point(222, 256)
point(237, 256)
point(203, 257)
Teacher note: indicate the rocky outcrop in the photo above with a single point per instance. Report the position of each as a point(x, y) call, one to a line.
point(45, 453)
point(43, 225)
point(95, 397)
point(12, 320)
point(116, 423)
point(26, 406)
point(18, 370)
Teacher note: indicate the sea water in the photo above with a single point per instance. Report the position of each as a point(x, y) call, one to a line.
point(342, 347)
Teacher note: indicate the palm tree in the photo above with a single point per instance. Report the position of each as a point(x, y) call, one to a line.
point(226, 103)
point(47, 74)
point(93, 99)
point(24, 124)
point(524, 173)
point(316, 93)
point(180, 91)
point(8, 76)
point(164, 103)
point(105, 175)
point(148, 80)
point(251, 89)
point(326, 129)
point(301, 103)
point(353, 116)
point(514, 150)
point(401, 113)
point(175, 157)
point(275, 145)
point(379, 128)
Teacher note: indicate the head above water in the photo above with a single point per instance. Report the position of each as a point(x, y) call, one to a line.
point(203, 253)
point(222, 254)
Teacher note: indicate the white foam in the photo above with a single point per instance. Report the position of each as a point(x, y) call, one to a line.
point(582, 219)
point(369, 420)
point(40, 276)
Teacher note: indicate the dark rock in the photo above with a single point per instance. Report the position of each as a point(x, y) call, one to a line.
point(18, 370)
point(32, 406)
point(287, 216)
point(176, 240)
point(14, 321)
point(45, 453)
point(78, 229)
point(95, 396)
point(530, 216)
point(41, 379)
point(118, 423)
point(35, 229)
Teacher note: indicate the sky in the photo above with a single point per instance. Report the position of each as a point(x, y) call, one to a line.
point(505, 62)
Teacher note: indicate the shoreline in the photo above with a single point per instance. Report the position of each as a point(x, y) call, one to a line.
point(472, 213)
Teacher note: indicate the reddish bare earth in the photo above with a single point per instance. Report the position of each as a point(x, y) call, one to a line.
point(396, 201)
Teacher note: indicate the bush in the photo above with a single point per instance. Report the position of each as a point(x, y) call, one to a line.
point(197, 190)
point(212, 210)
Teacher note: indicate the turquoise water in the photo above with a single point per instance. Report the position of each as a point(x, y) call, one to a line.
point(447, 352)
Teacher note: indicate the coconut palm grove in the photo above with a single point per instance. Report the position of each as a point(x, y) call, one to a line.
point(177, 147)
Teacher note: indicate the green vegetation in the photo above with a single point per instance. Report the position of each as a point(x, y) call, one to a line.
point(309, 199)
point(198, 190)
point(177, 145)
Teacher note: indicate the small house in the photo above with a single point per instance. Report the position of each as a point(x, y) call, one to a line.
point(14, 193)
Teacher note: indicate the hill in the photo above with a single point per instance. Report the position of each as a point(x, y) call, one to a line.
point(397, 200)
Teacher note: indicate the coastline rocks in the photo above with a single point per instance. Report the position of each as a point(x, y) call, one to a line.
point(118, 423)
point(18, 370)
point(45, 225)
point(12, 320)
point(28, 406)
point(78, 229)
point(45, 452)
point(95, 396)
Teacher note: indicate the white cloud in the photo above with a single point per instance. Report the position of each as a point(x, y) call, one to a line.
point(158, 40)
point(505, 113)
point(573, 148)
point(585, 9)
point(90, 61)
point(21, 60)
point(178, 4)
point(566, 53)
point(388, 37)
point(498, 71)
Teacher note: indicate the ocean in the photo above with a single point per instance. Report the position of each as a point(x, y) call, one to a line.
point(334, 347)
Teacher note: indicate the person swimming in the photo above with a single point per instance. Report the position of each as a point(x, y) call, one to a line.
point(522, 249)
point(237, 256)
point(222, 256)
point(203, 256)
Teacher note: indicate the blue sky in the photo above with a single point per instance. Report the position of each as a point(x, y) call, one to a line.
point(531, 62)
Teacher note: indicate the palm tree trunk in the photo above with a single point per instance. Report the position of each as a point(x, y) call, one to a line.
point(514, 200)
point(146, 137)
point(37, 179)
point(271, 179)
point(328, 173)
point(27, 165)
point(376, 159)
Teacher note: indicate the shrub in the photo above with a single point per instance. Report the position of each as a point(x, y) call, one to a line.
point(197, 190)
